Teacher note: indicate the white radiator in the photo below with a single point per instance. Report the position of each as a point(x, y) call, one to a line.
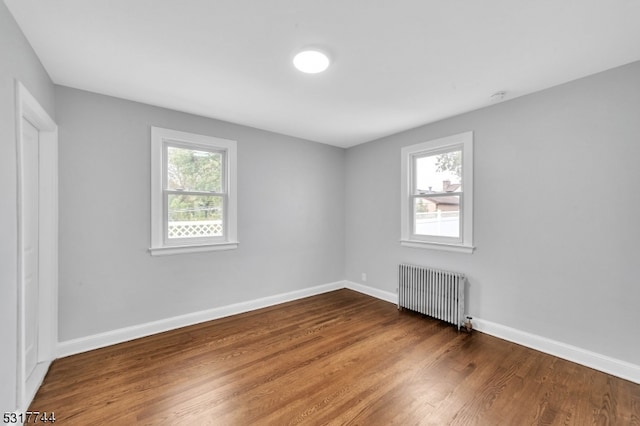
point(433, 292)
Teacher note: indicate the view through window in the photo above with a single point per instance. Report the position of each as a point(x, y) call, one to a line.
point(196, 193)
point(437, 194)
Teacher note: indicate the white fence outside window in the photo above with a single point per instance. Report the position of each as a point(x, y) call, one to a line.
point(195, 229)
point(438, 223)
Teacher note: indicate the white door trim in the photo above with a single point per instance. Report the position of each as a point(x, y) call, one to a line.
point(29, 108)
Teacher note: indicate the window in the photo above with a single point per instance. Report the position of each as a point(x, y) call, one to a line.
point(437, 194)
point(193, 198)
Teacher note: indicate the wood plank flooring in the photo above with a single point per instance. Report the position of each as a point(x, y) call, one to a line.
point(337, 358)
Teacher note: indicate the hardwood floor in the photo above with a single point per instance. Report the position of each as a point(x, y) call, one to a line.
point(337, 358)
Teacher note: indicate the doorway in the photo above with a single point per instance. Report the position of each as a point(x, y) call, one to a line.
point(37, 167)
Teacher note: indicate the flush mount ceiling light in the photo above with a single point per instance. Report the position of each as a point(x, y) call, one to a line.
point(311, 61)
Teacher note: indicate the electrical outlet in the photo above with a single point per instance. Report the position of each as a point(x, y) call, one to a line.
point(364, 277)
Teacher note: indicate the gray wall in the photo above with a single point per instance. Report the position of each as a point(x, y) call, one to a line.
point(17, 62)
point(556, 212)
point(290, 223)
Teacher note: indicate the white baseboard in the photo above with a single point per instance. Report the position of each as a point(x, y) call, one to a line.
point(373, 292)
point(575, 354)
point(84, 344)
point(606, 364)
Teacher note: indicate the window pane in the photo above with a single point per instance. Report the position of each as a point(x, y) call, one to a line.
point(439, 173)
point(193, 170)
point(195, 216)
point(437, 216)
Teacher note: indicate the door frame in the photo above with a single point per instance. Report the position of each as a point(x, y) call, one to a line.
point(29, 108)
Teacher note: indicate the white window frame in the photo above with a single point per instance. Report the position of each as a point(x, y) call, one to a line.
point(160, 140)
point(409, 154)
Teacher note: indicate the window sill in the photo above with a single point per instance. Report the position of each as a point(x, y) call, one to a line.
point(169, 250)
point(456, 248)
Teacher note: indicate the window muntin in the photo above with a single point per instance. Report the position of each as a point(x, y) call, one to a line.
point(437, 194)
point(193, 192)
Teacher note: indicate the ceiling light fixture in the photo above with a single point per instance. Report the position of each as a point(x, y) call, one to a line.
point(311, 61)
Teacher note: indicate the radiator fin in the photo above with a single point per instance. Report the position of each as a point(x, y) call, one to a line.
point(432, 292)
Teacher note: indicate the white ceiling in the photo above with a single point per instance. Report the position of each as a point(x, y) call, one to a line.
point(396, 64)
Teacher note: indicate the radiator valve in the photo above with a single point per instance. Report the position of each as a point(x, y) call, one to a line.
point(467, 324)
